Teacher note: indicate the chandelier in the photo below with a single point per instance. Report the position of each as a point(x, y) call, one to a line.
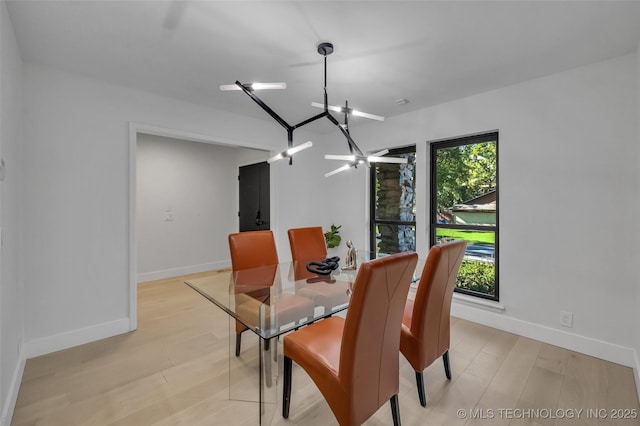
point(355, 156)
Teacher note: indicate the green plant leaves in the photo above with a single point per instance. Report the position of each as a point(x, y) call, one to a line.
point(332, 237)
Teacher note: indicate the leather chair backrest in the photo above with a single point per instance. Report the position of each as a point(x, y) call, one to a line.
point(430, 321)
point(369, 362)
point(252, 249)
point(307, 244)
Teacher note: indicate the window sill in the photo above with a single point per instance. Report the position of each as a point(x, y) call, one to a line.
point(478, 302)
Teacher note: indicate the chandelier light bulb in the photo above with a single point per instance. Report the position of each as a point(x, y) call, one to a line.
point(289, 152)
point(350, 111)
point(338, 170)
point(340, 157)
point(268, 86)
point(276, 157)
point(375, 159)
point(255, 86)
point(302, 146)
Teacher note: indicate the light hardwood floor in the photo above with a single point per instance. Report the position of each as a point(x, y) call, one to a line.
point(174, 370)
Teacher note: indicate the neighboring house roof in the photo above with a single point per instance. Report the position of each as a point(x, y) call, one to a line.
point(483, 203)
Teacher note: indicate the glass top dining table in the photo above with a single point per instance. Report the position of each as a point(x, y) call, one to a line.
point(275, 299)
point(270, 301)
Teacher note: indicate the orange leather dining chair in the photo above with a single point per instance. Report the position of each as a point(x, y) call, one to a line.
point(424, 335)
point(257, 249)
point(354, 360)
point(308, 244)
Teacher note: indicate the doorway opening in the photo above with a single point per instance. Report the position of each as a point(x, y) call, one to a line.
point(181, 195)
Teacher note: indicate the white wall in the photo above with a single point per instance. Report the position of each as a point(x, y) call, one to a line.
point(306, 198)
point(197, 183)
point(11, 292)
point(568, 176)
point(76, 204)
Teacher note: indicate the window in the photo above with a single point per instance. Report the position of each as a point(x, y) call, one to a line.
point(464, 205)
point(393, 204)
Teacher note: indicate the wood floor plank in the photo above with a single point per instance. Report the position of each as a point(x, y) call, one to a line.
point(508, 383)
point(579, 389)
point(616, 395)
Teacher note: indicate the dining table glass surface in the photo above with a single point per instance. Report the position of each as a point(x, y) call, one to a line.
point(270, 301)
point(258, 297)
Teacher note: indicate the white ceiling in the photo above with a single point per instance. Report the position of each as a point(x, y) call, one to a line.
point(425, 51)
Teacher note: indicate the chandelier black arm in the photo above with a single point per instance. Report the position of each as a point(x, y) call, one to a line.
point(264, 106)
point(351, 142)
point(290, 143)
point(309, 120)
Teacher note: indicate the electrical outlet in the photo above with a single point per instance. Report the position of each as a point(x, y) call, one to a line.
point(168, 215)
point(566, 318)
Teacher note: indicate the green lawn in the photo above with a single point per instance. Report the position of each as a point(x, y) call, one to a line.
point(472, 237)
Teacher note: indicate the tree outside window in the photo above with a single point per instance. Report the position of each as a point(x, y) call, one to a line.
point(464, 194)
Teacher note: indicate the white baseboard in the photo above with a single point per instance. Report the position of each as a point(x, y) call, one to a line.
point(69, 339)
point(9, 403)
point(184, 270)
point(597, 348)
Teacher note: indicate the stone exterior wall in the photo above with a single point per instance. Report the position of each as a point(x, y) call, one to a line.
point(396, 201)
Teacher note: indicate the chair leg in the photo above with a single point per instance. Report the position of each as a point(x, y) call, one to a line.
point(395, 410)
point(238, 341)
point(286, 387)
point(447, 367)
point(420, 383)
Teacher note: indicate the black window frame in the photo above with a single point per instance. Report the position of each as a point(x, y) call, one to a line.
point(433, 221)
point(372, 201)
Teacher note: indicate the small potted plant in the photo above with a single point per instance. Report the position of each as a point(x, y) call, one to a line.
point(333, 237)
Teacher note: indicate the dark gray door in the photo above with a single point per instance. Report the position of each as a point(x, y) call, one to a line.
point(253, 184)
